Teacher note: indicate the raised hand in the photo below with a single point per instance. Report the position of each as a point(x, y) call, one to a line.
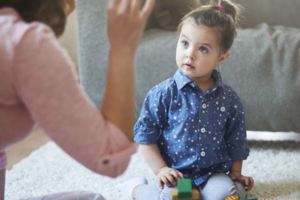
point(126, 22)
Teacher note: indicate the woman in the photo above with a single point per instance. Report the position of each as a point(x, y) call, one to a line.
point(38, 86)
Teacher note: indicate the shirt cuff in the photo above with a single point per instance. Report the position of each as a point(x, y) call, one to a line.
point(142, 138)
point(239, 154)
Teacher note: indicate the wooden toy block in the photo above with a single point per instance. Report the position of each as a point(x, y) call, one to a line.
point(184, 187)
point(184, 191)
point(232, 197)
point(195, 195)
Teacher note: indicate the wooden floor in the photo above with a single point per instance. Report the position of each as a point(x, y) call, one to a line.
point(20, 150)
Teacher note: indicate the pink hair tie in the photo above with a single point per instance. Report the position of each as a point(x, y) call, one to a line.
point(220, 8)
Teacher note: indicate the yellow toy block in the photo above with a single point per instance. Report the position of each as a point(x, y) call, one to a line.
point(195, 195)
point(232, 197)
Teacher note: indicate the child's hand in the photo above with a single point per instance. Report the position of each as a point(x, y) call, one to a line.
point(168, 176)
point(245, 180)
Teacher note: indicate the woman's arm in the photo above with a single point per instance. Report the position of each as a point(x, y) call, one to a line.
point(126, 23)
point(47, 87)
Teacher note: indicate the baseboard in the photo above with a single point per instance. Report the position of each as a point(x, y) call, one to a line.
point(273, 136)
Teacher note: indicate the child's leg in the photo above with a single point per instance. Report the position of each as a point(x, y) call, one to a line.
point(128, 187)
point(138, 189)
point(152, 192)
point(240, 189)
point(146, 192)
point(219, 186)
point(2, 183)
point(70, 196)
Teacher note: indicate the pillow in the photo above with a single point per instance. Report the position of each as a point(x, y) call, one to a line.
point(264, 69)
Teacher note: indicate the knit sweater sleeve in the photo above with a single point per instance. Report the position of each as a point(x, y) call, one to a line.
point(47, 85)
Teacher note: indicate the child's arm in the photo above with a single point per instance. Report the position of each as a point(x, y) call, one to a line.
point(236, 167)
point(236, 140)
point(236, 175)
point(153, 157)
point(166, 176)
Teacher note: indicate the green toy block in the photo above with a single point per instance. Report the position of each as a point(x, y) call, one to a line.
point(184, 187)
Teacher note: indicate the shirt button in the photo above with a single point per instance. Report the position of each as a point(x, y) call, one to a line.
point(203, 153)
point(203, 130)
point(204, 106)
point(223, 109)
point(105, 161)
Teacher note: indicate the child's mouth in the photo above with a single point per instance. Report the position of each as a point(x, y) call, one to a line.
point(189, 66)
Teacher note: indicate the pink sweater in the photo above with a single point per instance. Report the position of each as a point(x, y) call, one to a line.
point(38, 86)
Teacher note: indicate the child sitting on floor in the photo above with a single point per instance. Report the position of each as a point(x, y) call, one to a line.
point(192, 124)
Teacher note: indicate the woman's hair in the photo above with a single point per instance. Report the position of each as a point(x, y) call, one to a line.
point(223, 16)
point(50, 12)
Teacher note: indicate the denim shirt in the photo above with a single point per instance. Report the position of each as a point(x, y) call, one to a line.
point(198, 133)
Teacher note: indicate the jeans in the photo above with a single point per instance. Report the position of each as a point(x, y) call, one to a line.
point(218, 187)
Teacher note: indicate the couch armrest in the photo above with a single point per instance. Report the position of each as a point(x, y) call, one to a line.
point(92, 46)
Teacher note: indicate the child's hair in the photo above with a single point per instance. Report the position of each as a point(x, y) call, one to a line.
point(223, 16)
point(50, 12)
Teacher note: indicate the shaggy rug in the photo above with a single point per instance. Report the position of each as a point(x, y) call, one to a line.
point(274, 165)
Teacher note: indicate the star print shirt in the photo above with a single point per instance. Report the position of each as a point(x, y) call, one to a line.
point(199, 133)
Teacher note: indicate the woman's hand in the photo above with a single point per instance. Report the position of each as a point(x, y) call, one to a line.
point(247, 181)
point(126, 23)
point(168, 176)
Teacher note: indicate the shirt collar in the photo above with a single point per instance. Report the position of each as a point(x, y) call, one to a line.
point(216, 75)
point(182, 80)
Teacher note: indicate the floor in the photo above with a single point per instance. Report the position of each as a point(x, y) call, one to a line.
point(18, 151)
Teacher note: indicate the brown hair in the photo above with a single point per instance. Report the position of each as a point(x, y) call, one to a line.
point(50, 12)
point(222, 16)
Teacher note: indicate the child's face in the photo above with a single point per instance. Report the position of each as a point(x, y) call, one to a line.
point(198, 51)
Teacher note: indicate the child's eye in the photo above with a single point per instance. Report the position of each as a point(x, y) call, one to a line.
point(184, 43)
point(203, 50)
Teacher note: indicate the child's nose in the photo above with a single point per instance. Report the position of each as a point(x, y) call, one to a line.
point(190, 53)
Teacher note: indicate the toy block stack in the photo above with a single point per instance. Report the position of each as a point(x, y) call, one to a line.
point(185, 191)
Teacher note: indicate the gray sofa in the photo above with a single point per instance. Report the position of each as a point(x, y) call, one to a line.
point(264, 67)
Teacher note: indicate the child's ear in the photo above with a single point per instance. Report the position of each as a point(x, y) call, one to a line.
point(223, 57)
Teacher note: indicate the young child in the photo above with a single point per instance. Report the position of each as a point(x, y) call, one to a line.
point(192, 124)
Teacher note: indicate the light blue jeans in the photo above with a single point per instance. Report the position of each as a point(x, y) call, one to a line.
point(218, 187)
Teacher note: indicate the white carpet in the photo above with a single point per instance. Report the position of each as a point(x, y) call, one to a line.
point(275, 168)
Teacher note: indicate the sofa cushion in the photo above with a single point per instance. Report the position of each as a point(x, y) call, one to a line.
point(264, 69)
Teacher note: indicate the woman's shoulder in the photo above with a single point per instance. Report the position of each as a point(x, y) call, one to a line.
point(14, 30)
